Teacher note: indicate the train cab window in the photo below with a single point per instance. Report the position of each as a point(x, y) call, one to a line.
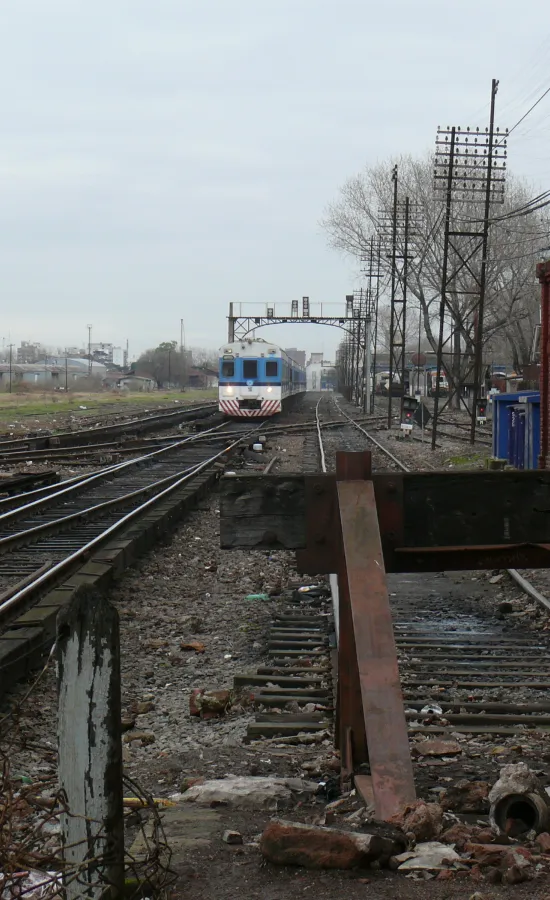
point(250, 368)
point(271, 368)
point(228, 368)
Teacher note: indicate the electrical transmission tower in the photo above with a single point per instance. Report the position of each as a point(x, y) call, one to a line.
point(397, 228)
point(470, 168)
point(372, 270)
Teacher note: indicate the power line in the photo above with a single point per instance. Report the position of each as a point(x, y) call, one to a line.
point(530, 110)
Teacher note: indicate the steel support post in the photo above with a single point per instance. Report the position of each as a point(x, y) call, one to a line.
point(370, 710)
point(543, 274)
point(393, 291)
point(367, 368)
point(478, 346)
point(443, 301)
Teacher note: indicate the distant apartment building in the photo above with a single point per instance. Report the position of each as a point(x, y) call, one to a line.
point(108, 354)
point(29, 352)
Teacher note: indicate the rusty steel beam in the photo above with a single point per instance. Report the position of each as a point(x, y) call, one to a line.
point(363, 583)
point(350, 723)
point(456, 559)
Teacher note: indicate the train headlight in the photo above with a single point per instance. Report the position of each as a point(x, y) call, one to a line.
point(229, 389)
point(269, 390)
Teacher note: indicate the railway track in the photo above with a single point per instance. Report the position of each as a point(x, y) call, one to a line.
point(157, 422)
point(470, 675)
point(79, 532)
point(466, 669)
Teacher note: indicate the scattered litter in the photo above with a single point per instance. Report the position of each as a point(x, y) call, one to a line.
point(197, 646)
point(431, 709)
point(32, 884)
point(232, 837)
point(251, 792)
point(209, 704)
point(519, 804)
point(437, 748)
point(428, 855)
point(257, 597)
point(424, 820)
point(316, 847)
point(146, 737)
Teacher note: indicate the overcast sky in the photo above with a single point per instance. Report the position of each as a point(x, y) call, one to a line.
point(159, 158)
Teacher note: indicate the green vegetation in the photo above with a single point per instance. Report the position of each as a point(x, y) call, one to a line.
point(471, 459)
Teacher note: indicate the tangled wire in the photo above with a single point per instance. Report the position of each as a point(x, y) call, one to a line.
point(36, 862)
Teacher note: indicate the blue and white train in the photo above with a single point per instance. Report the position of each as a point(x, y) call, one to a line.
point(257, 378)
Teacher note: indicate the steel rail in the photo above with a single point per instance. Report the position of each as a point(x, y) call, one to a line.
point(60, 567)
point(107, 429)
point(88, 479)
point(371, 438)
point(321, 447)
point(17, 537)
point(522, 582)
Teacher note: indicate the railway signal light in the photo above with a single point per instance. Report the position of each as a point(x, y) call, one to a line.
point(408, 409)
point(481, 412)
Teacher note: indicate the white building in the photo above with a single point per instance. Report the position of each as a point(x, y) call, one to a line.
point(317, 372)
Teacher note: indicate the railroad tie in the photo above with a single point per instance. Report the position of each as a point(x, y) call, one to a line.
point(299, 646)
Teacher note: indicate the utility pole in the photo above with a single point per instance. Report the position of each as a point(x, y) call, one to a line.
point(470, 165)
point(66, 372)
point(478, 348)
point(375, 335)
point(393, 285)
point(11, 346)
point(89, 327)
point(182, 352)
point(404, 307)
point(443, 301)
point(372, 273)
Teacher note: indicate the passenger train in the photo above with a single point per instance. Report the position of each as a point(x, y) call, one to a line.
point(257, 378)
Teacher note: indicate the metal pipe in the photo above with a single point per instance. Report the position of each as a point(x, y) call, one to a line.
point(528, 588)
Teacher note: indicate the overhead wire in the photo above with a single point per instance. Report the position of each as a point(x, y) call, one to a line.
point(524, 116)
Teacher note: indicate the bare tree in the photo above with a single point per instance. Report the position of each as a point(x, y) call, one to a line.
point(163, 363)
point(511, 305)
point(384, 327)
point(205, 357)
point(166, 365)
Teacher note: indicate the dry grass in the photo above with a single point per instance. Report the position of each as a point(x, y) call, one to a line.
point(43, 403)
